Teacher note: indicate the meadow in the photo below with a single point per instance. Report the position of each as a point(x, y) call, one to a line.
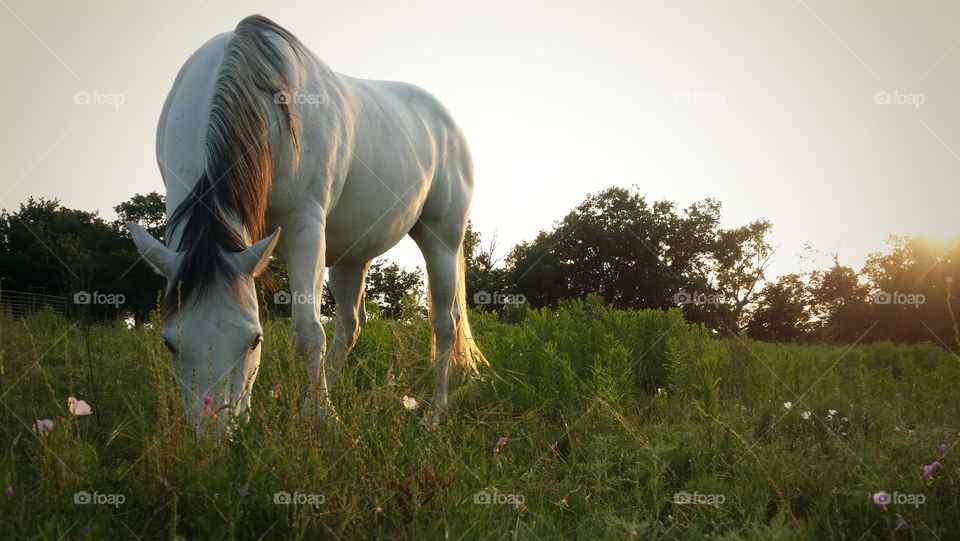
point(589, 423)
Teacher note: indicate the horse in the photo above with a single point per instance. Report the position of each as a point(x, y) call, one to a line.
point(258, 135)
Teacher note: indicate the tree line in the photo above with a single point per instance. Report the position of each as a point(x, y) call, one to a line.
point(631, 252)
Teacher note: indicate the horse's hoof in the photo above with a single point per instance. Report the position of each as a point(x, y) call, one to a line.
point(435, 417)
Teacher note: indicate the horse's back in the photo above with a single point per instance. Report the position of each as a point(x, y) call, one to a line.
point(406, 146)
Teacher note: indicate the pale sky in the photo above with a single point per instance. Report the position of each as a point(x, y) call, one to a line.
point(767, 105)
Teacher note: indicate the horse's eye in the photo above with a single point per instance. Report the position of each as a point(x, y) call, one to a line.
point(257, 340)
point(170, 347)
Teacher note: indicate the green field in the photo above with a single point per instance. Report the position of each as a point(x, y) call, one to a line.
point(607, 416)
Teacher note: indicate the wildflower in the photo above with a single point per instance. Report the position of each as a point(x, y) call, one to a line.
point(832, 412)
point(901, 524)
point(276, 392)
point(661, 391)
point(501, 441)
point(805, 415)
point(409, 403)
point(42, 425)
point(242, 490)
point(928, 469)
point(391, 378)
point(829, 417)
point(788, 405)
point(78, 407)
point(844, 419)
point(9, 491)
point(207, 400)
point(941, 449)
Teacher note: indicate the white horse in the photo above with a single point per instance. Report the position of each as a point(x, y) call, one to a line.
point(258, 134)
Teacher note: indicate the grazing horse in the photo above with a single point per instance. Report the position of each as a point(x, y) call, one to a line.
point(259, 135)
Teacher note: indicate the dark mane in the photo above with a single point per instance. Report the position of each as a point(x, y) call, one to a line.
point(231, 196)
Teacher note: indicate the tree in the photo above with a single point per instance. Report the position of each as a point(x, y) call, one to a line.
point(61, 251)
point(635, 254)
point(838, 304)
point(397, 290)
point(782, 313)
point(742, 256)
point(908, 290)
point(483, 277)
point(148, 210)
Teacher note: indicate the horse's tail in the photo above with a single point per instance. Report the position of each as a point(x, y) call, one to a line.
point(256, 74)
point(465, 354)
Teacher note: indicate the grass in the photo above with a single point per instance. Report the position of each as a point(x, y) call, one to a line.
point(608, 415)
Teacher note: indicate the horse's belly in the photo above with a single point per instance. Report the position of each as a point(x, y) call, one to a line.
point(357, 235)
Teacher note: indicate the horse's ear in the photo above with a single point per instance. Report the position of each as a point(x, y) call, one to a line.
point(254, 259)
point(162, 259)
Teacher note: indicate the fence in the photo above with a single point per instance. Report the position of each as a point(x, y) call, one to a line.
point(21, 303)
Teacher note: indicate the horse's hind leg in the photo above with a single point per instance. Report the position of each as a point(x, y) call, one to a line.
point(440, 247)
point(346, 284)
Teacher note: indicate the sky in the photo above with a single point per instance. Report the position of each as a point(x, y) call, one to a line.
point(836, 121)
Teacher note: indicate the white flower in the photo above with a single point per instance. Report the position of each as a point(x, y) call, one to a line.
point(832, 412)
point(844, 419)
point(829, 417)
point(788, 405)
point(409, 403)
point(805, 415)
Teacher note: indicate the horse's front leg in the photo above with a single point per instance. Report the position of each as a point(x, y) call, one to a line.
point(302, 245)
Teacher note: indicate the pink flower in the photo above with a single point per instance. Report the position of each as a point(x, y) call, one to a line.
point(276, 392)
point(242, 490)
point(928, 469)
point(942, 449)
point(501, 441)
point(78, 407)
point(42, 425)
point(207, 400)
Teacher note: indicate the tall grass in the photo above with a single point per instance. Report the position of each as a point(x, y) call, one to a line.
point(607, 416)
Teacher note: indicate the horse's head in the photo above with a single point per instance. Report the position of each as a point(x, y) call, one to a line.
point(214, 337)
